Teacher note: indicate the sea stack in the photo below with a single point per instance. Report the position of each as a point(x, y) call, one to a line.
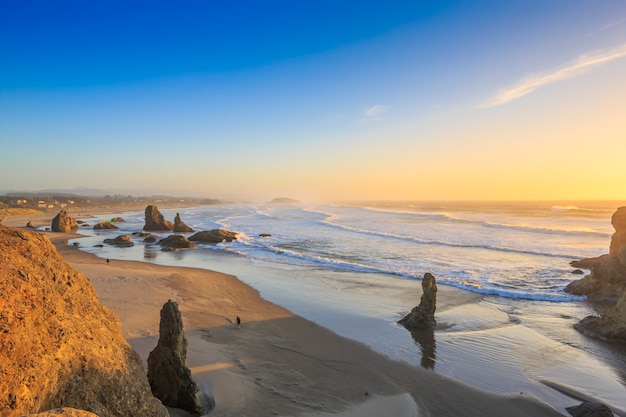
point(63, 223)
point(180, 226)
point(169, 377)
point(423, 316)
point(155, 221)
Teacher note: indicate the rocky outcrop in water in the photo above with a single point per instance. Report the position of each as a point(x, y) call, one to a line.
point(105, 226)
point(607, 278)
point(169, 377)
point(176, 242)
point(180, 226)
point(59, 346)
point(213, 236)
point(155, 221)
point(63, 223)
point(122, 241)
point(423, 315)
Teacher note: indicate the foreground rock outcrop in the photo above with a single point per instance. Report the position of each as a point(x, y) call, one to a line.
point(155, 221)
point(180, 226)
point(213, 236)
point(169, 377)
point(63, 223)
point(610, 326)
point(588, 409)
point(423, 315)
point(59, 346)
point(607, 278)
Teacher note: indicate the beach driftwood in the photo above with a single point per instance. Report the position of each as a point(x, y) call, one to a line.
point(423, 315)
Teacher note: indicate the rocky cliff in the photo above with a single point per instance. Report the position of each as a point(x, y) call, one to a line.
point(60, 347)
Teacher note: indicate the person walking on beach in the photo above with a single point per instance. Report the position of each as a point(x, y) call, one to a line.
point(238, 322)
point(107, 261)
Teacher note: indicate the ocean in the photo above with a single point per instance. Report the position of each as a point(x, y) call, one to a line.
point(356, 269)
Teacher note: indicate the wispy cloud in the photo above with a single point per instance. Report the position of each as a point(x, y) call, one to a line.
point(584, 64)
point(374, 112)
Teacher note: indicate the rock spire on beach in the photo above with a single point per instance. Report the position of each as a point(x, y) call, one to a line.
point(423, 315)
point(63, 223)
point(60, 346)
point(169, 377)
point(155, 221)
point(618, 240)
point(180, 226)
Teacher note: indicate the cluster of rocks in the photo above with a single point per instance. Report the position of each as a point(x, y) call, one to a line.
point(607, 280)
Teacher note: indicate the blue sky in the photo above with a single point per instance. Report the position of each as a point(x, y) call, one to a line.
point(315, 100)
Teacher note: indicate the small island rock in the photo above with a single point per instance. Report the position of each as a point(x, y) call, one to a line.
point(176, 242)
point(155, 221)
point(423, 315)
point(180, 226)
point(213, 236)
point(63, 223)
point(122, 241)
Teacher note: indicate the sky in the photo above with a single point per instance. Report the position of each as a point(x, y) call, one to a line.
point(316, 100)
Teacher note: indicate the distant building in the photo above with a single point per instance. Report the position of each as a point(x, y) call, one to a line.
point(41, 204)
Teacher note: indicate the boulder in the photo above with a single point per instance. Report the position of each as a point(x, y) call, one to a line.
point(618, 240)
point(30, 224)
point(155, 220)
point(423, 315)
point(60, 346)
point(588, 409)
point(265, 235)
point(150, 239)
point(105, 226)
point(578, 272)
point(213, 236)
point(610, 326)
point(122, 241)
point(169, 377)
point(63, 223)
point(180, 226)
point(118, 220)
point(176, 242)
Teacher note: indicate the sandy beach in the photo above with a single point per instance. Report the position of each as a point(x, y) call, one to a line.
point(276, 363)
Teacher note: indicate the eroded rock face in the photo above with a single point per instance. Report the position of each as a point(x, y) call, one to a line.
point(64, 412)
point(63, 223)
point(423, 315)
point(618, 240)
point(169, 377)
point(213, 236)
point(155, 221)
point(61, 347)
point(180, 226)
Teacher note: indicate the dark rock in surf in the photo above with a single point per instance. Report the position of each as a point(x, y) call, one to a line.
point(155, 221)
point(423, 315)
point(169, 377)
point(180, 226)
point(213, 236)
point(578, 272)
point(105, 226)
point(589, 409)
point(176, 242)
